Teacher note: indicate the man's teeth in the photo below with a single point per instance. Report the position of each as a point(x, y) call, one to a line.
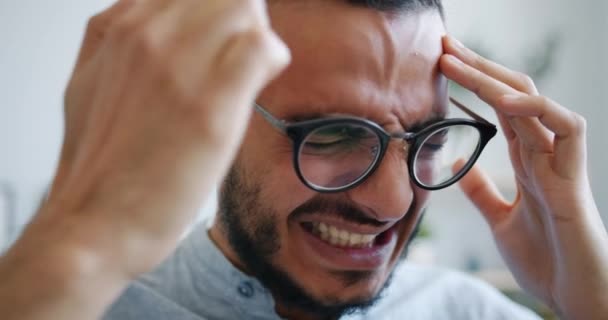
point(342, 238)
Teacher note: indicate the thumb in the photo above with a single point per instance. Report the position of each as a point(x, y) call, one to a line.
point(484, 194)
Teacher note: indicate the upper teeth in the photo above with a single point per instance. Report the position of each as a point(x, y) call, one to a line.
point(341, 237)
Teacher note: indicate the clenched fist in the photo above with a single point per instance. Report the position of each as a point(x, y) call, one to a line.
point(156, 108)
point(158, 103)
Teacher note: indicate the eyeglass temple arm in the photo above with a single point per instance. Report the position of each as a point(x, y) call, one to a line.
point(469, 111)
point(279, 124)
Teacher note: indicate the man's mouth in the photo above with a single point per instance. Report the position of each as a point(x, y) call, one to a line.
point(337, 237)
point(346, 246)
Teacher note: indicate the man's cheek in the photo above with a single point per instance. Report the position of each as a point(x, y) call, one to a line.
point(286, 193)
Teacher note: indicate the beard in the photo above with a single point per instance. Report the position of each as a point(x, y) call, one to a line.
point(251, 230)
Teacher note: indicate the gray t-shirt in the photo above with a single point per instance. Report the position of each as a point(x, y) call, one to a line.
point(197, 282)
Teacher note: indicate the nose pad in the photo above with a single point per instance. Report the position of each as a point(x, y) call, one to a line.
point(388, 191)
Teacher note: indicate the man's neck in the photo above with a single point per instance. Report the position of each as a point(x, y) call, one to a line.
point(217, 236)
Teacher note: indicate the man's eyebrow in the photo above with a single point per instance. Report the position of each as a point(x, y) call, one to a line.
point(311, 116)
point(413, 127)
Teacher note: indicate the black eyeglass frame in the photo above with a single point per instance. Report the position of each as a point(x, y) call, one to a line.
point(298, 131)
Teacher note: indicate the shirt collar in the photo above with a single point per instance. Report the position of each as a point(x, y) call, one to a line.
point(215, 270)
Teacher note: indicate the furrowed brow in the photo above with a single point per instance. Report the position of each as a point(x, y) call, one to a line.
point(419, 125)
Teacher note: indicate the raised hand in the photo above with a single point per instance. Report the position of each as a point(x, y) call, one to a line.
point(551, 236)
point(156, 108)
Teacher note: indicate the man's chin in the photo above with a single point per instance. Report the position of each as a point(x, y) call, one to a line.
point(251, 229)
point(358, 292)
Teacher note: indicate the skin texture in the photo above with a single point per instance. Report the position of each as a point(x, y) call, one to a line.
point(393, 80)
point(551, 236)
point(154, 117)
point(147, 134)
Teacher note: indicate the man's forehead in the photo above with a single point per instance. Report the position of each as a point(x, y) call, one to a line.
point(349, 59)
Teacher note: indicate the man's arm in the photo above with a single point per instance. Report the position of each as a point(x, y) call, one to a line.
point(44, 277)
point(155, 110)
point(551, 236)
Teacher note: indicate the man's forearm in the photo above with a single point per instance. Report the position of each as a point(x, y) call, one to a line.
point(46, 279)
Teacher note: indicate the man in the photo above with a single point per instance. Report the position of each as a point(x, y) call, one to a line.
point(328, 185)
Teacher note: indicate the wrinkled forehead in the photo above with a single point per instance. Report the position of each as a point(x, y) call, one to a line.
point(356, 60)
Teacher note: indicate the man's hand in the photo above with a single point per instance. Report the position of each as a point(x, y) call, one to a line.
point(155, 110)
point(551, 236)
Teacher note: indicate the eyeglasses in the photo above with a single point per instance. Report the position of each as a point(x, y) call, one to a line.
point(334, 154)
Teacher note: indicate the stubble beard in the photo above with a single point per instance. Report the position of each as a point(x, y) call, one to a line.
point(250, 227)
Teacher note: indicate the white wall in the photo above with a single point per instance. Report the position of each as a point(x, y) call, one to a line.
point(38, 45)
point(39, 42)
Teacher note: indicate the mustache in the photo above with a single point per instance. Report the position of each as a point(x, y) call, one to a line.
point(343, 209)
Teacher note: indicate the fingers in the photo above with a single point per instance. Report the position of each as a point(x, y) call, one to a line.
point(540, 125)
point(253, 54)
point(248, 63)
point(561, 121)
point(569, 128)
point(254, 58)
point(483, 193)
point(506, 127)
point(247, 53)
point(516, 80)
point(261, 12)
point(490, 81)
point(484, 86)
point(225, 20)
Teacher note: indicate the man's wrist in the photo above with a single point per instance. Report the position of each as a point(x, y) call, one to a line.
point(46, 276)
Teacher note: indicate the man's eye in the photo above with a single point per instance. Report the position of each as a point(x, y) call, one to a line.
point(433, 147)
point(340, 139)
point(324, 142)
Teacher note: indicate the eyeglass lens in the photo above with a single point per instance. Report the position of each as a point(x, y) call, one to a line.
point(337, 155)
point(444, 153)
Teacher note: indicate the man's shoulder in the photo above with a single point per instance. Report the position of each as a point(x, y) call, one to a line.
point(424, 292)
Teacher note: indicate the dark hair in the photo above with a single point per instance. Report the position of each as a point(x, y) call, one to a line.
point(396, 5)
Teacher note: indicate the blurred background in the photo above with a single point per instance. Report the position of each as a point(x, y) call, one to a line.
point(562, 44)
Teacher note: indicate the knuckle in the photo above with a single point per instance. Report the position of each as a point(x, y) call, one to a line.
point(256, 39)
point(147, 43)
point(526, 81)
point(479, 61)
point(103, 20)
point(545, 101)
point(122, 30)
point(96, 23)
point(258, 43)
point(140, 37)
point(476, 82)
point(271, 50)
point(97, 27)
point(579, 123)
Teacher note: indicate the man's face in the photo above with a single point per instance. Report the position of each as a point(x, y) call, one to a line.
point(346, 60)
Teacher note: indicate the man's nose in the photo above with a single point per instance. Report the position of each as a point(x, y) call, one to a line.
point(388, 191)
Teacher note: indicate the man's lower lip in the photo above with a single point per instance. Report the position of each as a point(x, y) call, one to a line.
point(351, 258)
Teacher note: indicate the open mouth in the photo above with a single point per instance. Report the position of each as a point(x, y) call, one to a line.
point(345, 239)
point(346, 246)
